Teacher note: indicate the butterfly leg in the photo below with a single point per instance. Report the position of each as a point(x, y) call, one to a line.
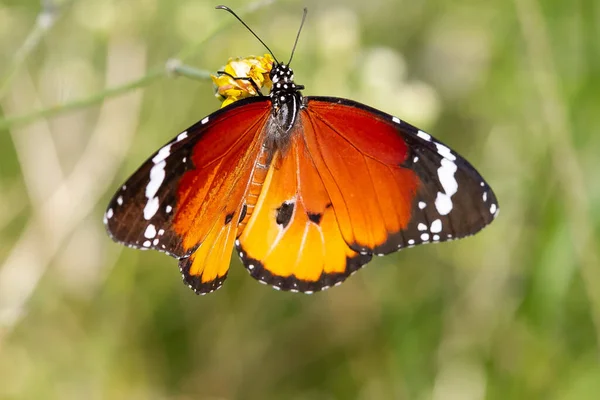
point(243, 78)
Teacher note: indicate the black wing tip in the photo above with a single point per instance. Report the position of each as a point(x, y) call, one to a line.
point(292, 284)
point(398, 241)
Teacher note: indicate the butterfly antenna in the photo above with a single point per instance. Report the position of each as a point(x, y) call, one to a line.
point(298, 35)
point(230, 11)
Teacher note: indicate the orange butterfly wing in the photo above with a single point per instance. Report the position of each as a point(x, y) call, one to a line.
point(392, 185)
point(187, 198)
point(359, 158)
point(292, 240)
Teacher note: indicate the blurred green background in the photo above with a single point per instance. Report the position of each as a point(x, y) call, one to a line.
point(512, 313)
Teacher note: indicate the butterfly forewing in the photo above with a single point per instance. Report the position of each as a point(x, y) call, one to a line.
point(188, 192)
point(392, 185)
point(453, 200)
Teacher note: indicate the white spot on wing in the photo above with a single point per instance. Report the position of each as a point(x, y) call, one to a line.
point(157, 175)
point(445, 151)
point(147, 243)
point(120, 200)
point(182, 136)
point(484, 196)
point(151, 208)
point(493, 209)
point(443, 204)
point(162, 154)
point(150, 231)
point(425, 237)
point(446, 171)
point(446, 175)
point(422, 205)
point(168, 209)
point(109, 213)
point(436, 226)
point(422, 226)
point(396, 120)
point(411, 241)
point(205, 120)
point(424, 136)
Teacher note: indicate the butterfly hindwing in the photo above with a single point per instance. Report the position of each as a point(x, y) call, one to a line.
point(206, 268)
point(186, 199)
point(392, 185)
point(292, 240)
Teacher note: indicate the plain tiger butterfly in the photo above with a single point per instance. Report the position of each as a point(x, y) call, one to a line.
point(307, 189)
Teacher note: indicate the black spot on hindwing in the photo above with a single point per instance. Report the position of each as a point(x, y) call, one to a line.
point(284, 214)
point(228, 218)
point(315, 217)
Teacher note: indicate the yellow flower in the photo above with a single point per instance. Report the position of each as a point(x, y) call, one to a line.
point(230, 90)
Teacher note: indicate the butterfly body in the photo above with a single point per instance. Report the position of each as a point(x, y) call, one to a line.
point(286, 102)
point(307, 190)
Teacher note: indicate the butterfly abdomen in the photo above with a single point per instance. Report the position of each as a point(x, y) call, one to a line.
point(259, 175)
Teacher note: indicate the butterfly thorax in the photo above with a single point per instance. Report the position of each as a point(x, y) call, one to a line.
point(286, 100)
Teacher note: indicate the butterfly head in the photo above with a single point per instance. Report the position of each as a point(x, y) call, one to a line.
point(283, 89)
point(281, 73)
point(282, 77)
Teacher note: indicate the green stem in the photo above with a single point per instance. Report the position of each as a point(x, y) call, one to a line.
point(153, 75)
point(88, 101)
point(175, 67)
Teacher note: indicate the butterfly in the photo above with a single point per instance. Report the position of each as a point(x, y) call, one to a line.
point(307, 189)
